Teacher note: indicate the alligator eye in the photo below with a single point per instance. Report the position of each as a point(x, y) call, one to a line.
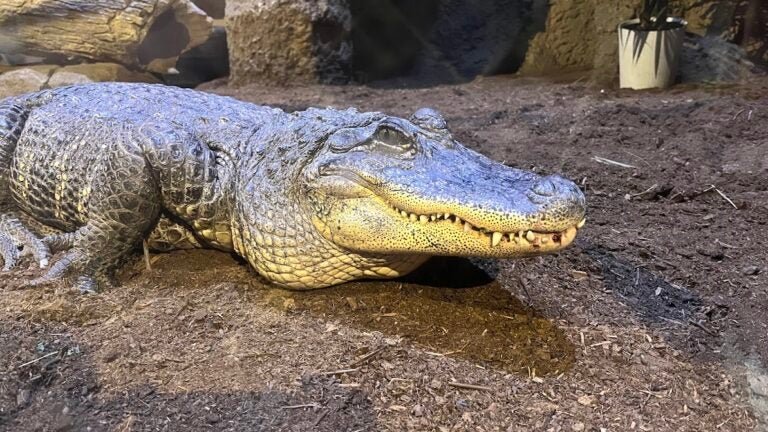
point(386, 138)
point(389, 140)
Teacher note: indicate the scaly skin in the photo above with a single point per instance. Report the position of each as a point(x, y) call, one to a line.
point(310, 199)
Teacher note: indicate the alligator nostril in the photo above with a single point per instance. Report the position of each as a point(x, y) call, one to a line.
point(544, 187)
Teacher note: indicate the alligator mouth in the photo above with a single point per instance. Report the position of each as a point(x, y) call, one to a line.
point(522, 238)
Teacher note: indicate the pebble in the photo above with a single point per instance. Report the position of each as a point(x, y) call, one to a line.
point(199, 315)
point(22, 398)
point(713, 251)
point(751, 270)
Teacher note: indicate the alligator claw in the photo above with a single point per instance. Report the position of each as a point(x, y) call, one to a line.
point(14, 235)
point(9, 252)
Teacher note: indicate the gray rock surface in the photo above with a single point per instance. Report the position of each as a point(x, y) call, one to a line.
point(24, 80)
point(96, 72)
point(288, 41)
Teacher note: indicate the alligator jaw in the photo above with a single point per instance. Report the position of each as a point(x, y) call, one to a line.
point(516, 242)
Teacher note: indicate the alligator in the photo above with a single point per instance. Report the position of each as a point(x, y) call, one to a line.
point(310, 199)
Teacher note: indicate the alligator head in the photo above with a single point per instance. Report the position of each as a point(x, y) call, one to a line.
point(378, 195)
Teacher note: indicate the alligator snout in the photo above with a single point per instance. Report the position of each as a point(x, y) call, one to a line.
point(555, 186)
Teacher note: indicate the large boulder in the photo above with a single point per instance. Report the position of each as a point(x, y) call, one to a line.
point(288, 41)
point(145, 34)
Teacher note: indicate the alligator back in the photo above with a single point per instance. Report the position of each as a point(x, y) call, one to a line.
point(57, 142)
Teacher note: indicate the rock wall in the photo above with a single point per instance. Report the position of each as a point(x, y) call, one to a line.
point(288, 41)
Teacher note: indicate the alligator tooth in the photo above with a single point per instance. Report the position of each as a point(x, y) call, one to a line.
point(446, 215)
point(423, 219)
point(458, 220)
point(521, 234)
point(544, 239)
point(467, 226)
point(569, 235)
point(581, 223)
point(530, 236)
point(496, 239)
point(404, 213)
point(413, 217)
point(433, 218)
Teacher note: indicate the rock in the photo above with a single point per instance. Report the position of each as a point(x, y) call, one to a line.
point(22, 398)
point(96, 72)
point(712, 250)
point(199, 315)
point(24, 80)
point(751, 270)
point(142, 33)
point(586, 400)
point(288, 41)
point(711, 58)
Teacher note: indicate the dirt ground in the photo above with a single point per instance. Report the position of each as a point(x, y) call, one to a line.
point(654, 320)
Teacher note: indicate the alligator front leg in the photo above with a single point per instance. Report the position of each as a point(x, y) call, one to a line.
point(13, 234)
point(121, 212)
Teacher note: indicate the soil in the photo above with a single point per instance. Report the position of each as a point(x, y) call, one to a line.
point(653, 320)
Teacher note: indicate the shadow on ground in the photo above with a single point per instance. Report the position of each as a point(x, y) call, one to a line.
point(451, 306)
point(48, 382)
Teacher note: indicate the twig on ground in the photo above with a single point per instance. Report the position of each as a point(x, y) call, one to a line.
point(321, 417)
point(340, 371)
point(725, 245)
point(454, 351)
point(469, 386)
point(673, 321)
point(719, 192)
point(312, 405)
point(603, 160)
point(367, 357)
point(650, 189)
point(701, 326)
point(51, 354)
point(634, 155)
point(146, 255)
point(737, 114)
point(650, 393)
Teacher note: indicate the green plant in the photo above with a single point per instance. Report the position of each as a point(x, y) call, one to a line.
point(653, 15)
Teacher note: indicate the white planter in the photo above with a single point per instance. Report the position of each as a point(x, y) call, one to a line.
point(649, 59)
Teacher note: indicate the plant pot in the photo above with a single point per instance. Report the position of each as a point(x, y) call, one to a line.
point(649, 59)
